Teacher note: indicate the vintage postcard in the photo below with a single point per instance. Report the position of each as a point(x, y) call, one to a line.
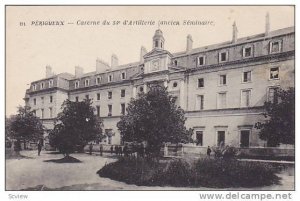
point(181, 98)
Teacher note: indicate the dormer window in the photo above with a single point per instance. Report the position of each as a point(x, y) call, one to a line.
point(275, 46)
point(247, 51)
point(42, 85)
point(175, 63)
point(50, 83)
point(110, 78)
point(76, 84)
point(34, 87)
point(98, 80)
point(86, 82)
point(200, 60)
point(223, 56)
point(123, 75)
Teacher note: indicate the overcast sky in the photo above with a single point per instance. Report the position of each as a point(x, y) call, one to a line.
point(30, 48)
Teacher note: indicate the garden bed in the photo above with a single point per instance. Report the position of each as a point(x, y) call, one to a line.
point(215, 173)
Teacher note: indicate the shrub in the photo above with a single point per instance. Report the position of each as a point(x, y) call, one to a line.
point(131, 170)
point(176, 173)
point(214, 173)
point(233, 173)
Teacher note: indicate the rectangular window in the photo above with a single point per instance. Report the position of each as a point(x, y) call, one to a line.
point(247, 76)
point(200, 102)
point(221, 138)
point(109, 95)
point(244, 138)
point(199, 138)
point(122, 93)
point(222, 100)
point(110, 78)
point(200, 82)
point(109, 110)
point(76, 98)
point(123, 108)
point(50, 112)
point(87, 97)
point(273, 95)
point(50, 83)
point(245, 99)
point(42, 100)
point(98, 80)
point(34, 101)
point(98, 110)
point(223, 56)
point(123, 76)
point(247, 52)
point(274, 73)
point(222, 79)
point(86, 82)
point(275, 46)
point(42, 113)
point(98, 96)
point(200, 61)
point(76, 84)
point(51, 99)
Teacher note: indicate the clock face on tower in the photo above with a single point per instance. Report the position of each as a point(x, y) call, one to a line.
point(155, 65)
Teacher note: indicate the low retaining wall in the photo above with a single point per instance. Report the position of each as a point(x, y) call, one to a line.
point(96, 147)
point(249, 151)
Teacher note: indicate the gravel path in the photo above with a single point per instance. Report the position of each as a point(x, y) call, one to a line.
point(37, 174)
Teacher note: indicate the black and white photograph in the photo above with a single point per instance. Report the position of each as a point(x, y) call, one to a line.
point(150, 98)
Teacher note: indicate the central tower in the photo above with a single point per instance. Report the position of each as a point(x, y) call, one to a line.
point(158, 40)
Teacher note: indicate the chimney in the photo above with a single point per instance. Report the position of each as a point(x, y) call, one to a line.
point(102, 66)
point(234, 32)
point(78, 71)
point(114, 61)
point(189, 43)
point(143, 52)
point(267, 28)
point(49, 72)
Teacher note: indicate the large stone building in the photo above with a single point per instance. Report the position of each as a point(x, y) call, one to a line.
point(221, 87)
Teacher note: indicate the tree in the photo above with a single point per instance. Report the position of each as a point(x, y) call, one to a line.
point(153, 118)
point(24, 126)
point(75, 126)
point(279, 126)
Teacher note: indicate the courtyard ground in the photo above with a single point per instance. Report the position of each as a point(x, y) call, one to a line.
point(33, 173)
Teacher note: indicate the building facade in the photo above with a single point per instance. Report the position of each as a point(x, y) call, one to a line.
point(221, 87)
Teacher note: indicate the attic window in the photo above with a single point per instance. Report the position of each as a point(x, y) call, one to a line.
point(200, 61)
point(76, 84)
point(50, 83)
point(223, 56)
point(98, 80)
point(86, 82)
point(175, 62)
point(110, 77)
point(123, 76)
point(275, 46)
